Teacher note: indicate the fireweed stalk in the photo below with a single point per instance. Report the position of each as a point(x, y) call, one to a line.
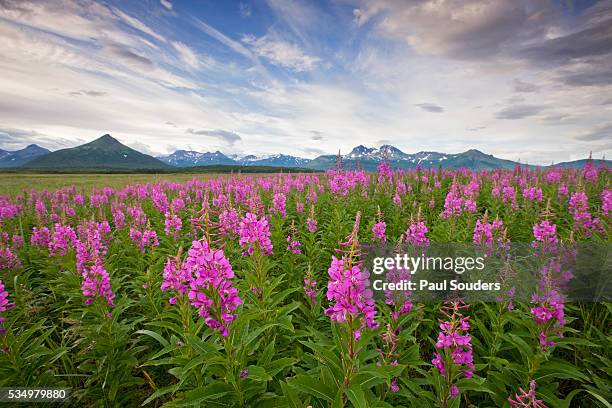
point(379, 229)
point(351, 301)
point(527, 399)
point(549, 309)
point(4, 306)
point(255, 236)
point(210, 287)
point(454, 357)
point(90, 252)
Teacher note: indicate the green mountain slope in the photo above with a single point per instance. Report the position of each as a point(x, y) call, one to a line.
point(105, 152)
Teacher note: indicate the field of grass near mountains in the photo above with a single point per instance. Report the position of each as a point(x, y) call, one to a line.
point(14, 183)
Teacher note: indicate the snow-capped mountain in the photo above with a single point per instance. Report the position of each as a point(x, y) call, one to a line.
point(367, 158)
point(21, 157)
point(190, 158)
point(277, 160)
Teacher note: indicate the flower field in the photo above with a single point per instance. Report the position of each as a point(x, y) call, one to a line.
point(250, 291)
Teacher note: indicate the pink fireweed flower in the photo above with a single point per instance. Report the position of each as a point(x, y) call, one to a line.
point(311, 222)
point(90, 251)
point(229, 222)
point(293, 245)
point(526, 399)
point(549, 315)
point(398, 299)
point(255, 231)
point(299, 207)
point(63, 239)
point(378, 232)
point(96, 282)
point(455, 344)
point(310, 285)
point(278, 203)
point(397, 200)
point(8, 258)
point(532, 194)
point(606, 202)
point(144, 239)
point(4, 304)
point(40, 237)
point(349, 295)
point(415, 235)
point(389, 352)
point(545, 235)
point(118, 217)
point(486, 233)
point(138, 215)
point(385, 174)
point(453, 203)
point(172, 225)
point(177, 205)
point(590, 172)
point(583, 220)
point(40, 209)
point(176, 277)
point(509, 196)
point(211, 290)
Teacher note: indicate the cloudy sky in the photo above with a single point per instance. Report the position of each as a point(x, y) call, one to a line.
point(529, 80)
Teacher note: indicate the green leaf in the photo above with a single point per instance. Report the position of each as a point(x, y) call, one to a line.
point(210, 392)
point(155, 335)
point(560, 369)
point(356, 396)
point(258, 373)
point(310, 386)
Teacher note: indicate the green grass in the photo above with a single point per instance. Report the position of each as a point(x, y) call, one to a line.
point(14, 183)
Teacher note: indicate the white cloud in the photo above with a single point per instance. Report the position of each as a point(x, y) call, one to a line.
point(186, 54)
point(137, 24)
point(281, 53)
point(166, 3)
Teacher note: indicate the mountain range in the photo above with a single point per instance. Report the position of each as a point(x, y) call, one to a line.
point(104, 152)
point(21, 157)
point(107, 152)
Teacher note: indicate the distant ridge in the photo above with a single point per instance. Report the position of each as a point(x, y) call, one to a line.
point(366, 158)
point(105, 152)
point(21, 157)
point(108, 153)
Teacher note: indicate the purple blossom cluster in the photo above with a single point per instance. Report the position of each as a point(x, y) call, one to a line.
point(454, 344)
point(4, 304)
point(62, 240)
point(350, 296)
point(310, 288)
point(311, 222)
point(459, 199)
point(398, 300)
point(90, 252)
point(210, 285)
point(486, 233)
point(144, 239)
point(278, 202)
point(526, 399)
point(584, 222)
point(415, 235)
point(9, 260)
point(545, 235)
point(533, 194)
point(379, 232)
point(172, 224)
point(255, 232)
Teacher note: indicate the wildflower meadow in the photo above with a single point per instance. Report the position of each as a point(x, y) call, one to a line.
point(252, 291)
